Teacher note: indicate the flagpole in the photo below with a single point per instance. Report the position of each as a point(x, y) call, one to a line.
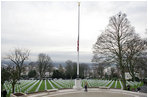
point(78, 38)
point(77, 85)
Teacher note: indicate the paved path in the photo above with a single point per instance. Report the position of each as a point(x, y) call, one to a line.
point(92, 92)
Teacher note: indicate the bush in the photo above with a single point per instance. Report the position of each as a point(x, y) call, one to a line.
point(32, 74)
point(137, 79)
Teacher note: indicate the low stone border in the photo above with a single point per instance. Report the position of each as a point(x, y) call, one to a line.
point(18, 95)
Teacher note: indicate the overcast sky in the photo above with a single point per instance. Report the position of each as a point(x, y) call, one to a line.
point(51, 27)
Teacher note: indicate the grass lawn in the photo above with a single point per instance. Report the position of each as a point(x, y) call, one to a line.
point(64, 84)
point(141, 84)
point(54, 84)
point(35, 87)
point(113, 85)
point(95, 84)
point(89, 84)
point(108, 83)
point(61, 84)
point(23, 90)
point(42, 86)
point(82, 84)
point(118, 84)
point(102, 83)
point(16, 87)
point(8, 85)
point(25, 84)
point(8, 95)
point(48, 85)
point(71, 84)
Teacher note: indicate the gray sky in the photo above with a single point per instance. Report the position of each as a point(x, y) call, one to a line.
point(51, 27)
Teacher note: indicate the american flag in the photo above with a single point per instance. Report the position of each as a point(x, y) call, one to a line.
point(78, 25)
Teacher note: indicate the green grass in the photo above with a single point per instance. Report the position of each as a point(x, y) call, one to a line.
point(34, 88)
point(42, 87)
point(4, 87)
point(133, 87)
point(48, 85)
point(108, 83)
point(82, 83)
point(113, 85)
point(16, 87)
point(64, 84)
point(23, 90)
point(8, 95)
point(94, 84)
point(102, 83)
point(89, 84)
point(61, 85)
point(7, 84)
point(25, 84)
point(141, 84)
point(54, 85)
point(71, 84)
point(118, 84)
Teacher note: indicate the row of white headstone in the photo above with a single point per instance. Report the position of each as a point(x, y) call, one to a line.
point(29, 84)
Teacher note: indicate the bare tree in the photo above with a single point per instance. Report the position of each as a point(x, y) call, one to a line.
point(112, 71)
point(111, 42)
point(100, 70)
point(13, 77)
point(44, 61)
point(61, 68)
point(69, 69)
point(135, 47)
point(100, 64)
point(141, 65)
point(18, 56)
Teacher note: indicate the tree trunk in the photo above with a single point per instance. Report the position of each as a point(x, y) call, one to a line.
point(19, 71)
point(132, 71)
point(40, 77)
point(122, 67)
point(2, 86)
point(123, 78)
point(13, 87)
point(133, 76)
